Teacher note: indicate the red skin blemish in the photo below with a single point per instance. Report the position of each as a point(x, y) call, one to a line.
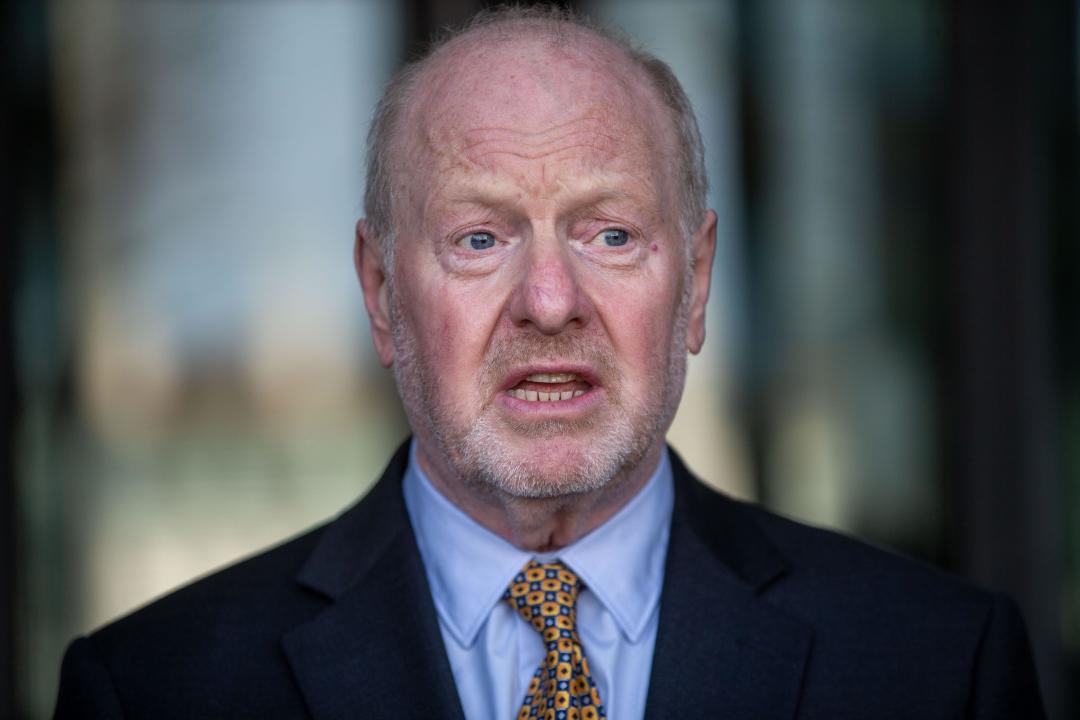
point(654, 247)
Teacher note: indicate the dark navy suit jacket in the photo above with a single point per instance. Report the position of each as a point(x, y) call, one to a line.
point(760, 617)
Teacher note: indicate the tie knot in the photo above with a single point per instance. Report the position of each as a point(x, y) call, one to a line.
point(545, 595)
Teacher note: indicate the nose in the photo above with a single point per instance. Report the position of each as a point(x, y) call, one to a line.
point(549, 296)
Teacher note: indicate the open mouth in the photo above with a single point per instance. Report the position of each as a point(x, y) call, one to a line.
point(550, 387)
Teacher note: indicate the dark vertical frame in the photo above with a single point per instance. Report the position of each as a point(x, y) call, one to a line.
point(1066, 281)
point(1009, 86)
point(9, 184)
point(28, 207)
point(753, 159)
point(8, 412)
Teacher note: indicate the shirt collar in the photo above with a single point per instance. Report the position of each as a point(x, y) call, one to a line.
point(469, 567)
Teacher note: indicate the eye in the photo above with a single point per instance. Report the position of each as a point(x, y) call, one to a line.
point(613, 237)
point(478, 241)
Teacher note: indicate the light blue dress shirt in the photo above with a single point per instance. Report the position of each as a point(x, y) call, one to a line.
point(493, 653)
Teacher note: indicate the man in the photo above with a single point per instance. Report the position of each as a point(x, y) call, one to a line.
point(535, 264)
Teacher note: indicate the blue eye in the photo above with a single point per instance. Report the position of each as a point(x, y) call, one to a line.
point(615, 238)
point(480, 240)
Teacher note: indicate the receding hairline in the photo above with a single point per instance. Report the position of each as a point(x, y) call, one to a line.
point(441, 104)
point(554, 36)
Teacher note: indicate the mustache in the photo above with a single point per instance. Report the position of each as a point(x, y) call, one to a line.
point(514, 350)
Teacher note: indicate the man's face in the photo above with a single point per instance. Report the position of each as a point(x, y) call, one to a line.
point(540, 291)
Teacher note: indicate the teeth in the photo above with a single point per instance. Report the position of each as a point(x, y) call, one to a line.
point(534, 396)
point(552, 377)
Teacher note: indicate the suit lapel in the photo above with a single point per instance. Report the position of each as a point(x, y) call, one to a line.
point(376, 650)
point(720, 646)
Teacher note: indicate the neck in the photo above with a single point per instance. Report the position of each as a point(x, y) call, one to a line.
point(538, 524)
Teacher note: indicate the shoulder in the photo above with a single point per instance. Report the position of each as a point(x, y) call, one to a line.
point(261, 596)
point(882, 625)
point(214, 648)
point(860, 592)
point(875, 611)
point(207, 643)
point(225, 597)
point(828, 577)
point(825, 569)
point(839, 561)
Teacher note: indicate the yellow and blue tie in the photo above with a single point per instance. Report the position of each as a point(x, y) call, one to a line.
point(545, 595)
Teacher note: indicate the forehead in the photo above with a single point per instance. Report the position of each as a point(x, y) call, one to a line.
point(488, 99)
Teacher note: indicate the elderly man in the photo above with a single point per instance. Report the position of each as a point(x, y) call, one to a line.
point(535, 264)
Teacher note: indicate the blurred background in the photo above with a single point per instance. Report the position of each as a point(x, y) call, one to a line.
point(186, 375)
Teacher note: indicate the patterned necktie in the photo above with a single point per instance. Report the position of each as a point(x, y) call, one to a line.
point(561, 688)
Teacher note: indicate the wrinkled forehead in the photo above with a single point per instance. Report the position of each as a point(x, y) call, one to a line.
point(536, 92)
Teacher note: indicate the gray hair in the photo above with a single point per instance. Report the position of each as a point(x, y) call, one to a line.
point(509, 22)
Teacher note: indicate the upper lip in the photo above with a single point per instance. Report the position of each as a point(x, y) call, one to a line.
point(518, 374)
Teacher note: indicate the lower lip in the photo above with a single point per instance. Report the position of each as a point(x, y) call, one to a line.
point(552, 407)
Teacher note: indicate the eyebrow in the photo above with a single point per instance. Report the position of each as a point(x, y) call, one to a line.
point(502, 208)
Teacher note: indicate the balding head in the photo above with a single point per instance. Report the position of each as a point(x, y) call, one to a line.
point(530, 66)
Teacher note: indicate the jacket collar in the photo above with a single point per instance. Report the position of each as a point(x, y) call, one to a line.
point(376, 651)
point(726, 529)
point(354, 542)
point(720, 643)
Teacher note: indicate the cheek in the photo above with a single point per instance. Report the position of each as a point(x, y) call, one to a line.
point(638, 316)
point(452, 318)
point(437, 323)
point(453, 328)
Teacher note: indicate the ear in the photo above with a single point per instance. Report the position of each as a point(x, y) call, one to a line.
point(367, 256)
point(702, 250)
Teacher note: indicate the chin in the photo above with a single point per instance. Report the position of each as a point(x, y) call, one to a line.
point(525, 480)
point(543, 463)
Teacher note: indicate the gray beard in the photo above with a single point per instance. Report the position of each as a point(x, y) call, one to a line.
point(477, 453)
